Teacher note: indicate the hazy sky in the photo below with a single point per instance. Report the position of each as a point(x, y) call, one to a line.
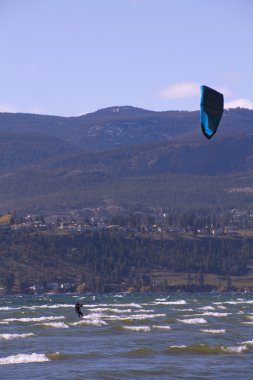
point(70, 57)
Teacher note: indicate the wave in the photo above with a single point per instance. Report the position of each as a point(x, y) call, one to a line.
point(132, 317)
point(221, 331)
point(192, 320)
point(183, 310)
point(137, 328)
point(162, 327)
point(134, 305)
point(34, 307)
point(180, 302)
point(206, 308)
point(205, 349)
point(248, 342)
point(247, 323)
point(35, 319)
point(214, 314)
point(144, 311)
point(56, 306)
point(92, 320)
point(15, 336)
point(111, 310)
point(24, 358)
point(239, 301)
point(57, 325)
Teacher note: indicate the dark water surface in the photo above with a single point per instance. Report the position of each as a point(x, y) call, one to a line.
point(180, 336)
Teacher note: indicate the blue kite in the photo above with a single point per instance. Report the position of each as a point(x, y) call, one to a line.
point(211, 110)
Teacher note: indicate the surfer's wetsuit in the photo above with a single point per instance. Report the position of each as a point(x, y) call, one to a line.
point(78, 309)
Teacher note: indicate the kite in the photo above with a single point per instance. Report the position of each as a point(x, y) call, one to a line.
point(211, 110)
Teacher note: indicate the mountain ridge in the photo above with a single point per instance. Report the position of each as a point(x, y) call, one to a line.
point(122, 154)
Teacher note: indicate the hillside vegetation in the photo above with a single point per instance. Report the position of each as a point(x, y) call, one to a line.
point(128, 156)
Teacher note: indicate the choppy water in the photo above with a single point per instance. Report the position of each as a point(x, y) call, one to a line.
point(181, 336)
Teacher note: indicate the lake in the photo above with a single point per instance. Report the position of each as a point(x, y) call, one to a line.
point(149, 336)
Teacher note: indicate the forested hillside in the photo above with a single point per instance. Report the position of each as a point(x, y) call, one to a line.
point(107, 261)
point(128, 156)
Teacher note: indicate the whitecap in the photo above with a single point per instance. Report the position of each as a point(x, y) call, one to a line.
point(132, 317)
point(215, 314)
point(161, 327)
point(55, 306)
point(192, 320)
point(206, 308)
point(248, 342)
point(93, 322)
point(137, 328)
point(235, 349)
point(15, 336)
point(112, 310)
point(57, 325)
point(178, 346)
point(144, 311)
point(24, 358)
point(126, 305)
point(221, 331)
point(180, 302)
point(38, 319)
point(184, 310)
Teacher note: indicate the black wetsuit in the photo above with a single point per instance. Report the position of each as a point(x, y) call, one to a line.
point(78, 309)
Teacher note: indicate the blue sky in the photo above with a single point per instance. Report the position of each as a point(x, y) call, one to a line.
point(70, 57)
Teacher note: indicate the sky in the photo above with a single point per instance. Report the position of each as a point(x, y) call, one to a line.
point(72, 57)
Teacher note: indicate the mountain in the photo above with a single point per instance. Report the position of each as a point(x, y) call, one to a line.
point(126, 155)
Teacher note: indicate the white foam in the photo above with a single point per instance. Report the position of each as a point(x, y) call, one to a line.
point(137, 328)
point(111, 310)
point(24, 358)
point(92, 322)
point(55, 306)
point(132, 317)
point(57, 325)
point(221, 331)
point(178, 346)
point(38, 319)
point(7, 308)
point(208, 313)
point(221, 307)
point(235, 349)
point(215, 314)
point(161, 327)
point(180, 302)
point(248, 342)
point(144, 311)
point(239, 301)
point(192, 320)
point(15, 336)
point(126, 305)
point(206, 308)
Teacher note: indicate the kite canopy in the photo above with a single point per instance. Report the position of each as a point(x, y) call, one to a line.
point(211, 110)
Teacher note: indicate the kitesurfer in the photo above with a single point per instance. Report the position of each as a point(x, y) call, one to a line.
point(78, 306)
